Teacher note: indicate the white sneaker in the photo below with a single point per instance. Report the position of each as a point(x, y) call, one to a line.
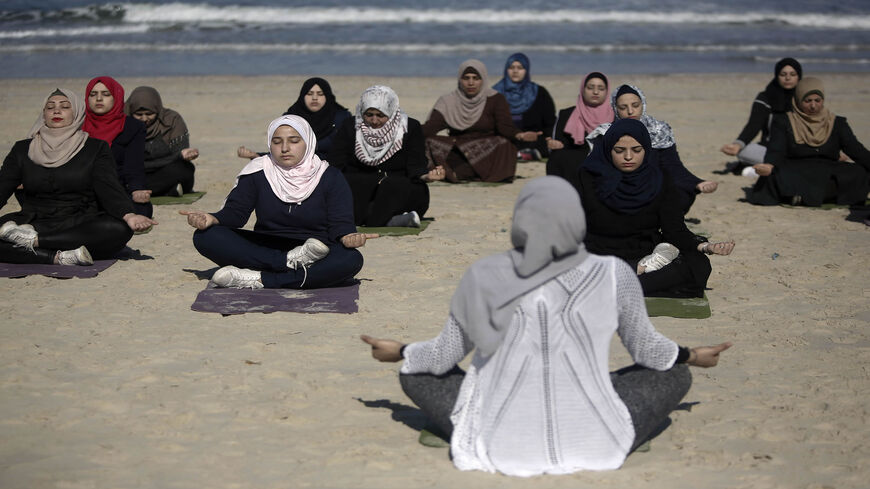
point(311, 251)
point(749, 172)
point(22, 236)
point(78, 256)
point(406, 220)
point(662, 254)
point(237, 278)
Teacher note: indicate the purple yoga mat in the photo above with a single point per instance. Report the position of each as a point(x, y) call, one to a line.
point(239, 301)
point(16, 270)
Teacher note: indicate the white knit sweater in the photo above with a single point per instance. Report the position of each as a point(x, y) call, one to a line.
point(544, 402)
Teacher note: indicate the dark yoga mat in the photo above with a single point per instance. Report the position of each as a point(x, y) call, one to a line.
point(396, 230)
point(824, 207)
point(184, 199)
point(678, 307)
point(240, 301)
point(15, 270)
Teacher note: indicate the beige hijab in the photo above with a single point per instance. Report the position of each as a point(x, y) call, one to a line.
point(813, 130)
point(462, 112)
point(52, 147)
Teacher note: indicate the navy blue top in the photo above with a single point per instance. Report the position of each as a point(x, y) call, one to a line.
point(327, 214)
point(128, 149)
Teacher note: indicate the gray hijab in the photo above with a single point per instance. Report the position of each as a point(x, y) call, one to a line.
point(547, 234)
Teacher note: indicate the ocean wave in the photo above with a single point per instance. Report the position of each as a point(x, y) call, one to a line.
point(198, 14)
point(75, 31)
point(431, 48)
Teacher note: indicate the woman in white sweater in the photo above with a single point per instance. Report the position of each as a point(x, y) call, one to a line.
point(538, 397)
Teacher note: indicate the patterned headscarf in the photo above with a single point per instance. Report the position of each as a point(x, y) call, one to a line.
point(374, 146)
point(660, 133)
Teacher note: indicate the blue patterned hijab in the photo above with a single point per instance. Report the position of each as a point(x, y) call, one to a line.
point(625, 192)
point(522, 95)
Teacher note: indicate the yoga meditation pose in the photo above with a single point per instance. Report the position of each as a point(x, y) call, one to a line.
point(304, 236)
point(775, 99)
point(537, 397)
point(317, 105)
point(481, 133)
point(633, 212)
point(568, 147)
point(381, 152)
point(628, 102)
point(802, 163)
point(168, 154)
point(105, 119)
point(532, 108)
point(74, 208)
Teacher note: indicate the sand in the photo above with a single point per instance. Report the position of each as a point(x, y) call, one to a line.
point(113, 382)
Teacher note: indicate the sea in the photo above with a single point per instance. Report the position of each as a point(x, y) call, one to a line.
point(70, 38)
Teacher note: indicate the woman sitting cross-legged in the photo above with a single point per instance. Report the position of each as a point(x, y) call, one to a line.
point(381, 152)
point(73, 209)
point(304, 236)
point(633, 213)
point(537, 397)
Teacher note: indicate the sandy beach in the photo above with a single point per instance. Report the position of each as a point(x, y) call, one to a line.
point(113, 382)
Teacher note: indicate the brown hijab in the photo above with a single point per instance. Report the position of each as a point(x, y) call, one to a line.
point(460, 111)
point(52, 147)
point(813, 130)
point(168, 125)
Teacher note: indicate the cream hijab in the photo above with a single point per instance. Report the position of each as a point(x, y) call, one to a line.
point(813, 130)
point(52, 147)
point(291, 185)
point(460, 111)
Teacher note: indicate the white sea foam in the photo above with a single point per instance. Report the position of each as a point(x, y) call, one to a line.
point(429, 48)
point(188, 13)
point(75, 31)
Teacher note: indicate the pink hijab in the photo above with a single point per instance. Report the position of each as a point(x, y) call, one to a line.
point(291, 185)
point(585, 118)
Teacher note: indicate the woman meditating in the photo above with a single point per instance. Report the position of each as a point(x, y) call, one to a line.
point(803, 156)
point(537, 397)
point(568, 147)
point(168, 154)
point(317, 105)
point(628, 102)
point(479, 144)
point(304, 236)
point(632, 212)
point(775, 99)
point(74, 208)
point(532, 108)
point(105, 119)
point(382, 155)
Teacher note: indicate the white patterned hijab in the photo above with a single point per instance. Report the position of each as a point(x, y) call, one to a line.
point(660, 132)
point(374, 146)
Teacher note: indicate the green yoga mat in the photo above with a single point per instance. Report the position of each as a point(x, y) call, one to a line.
point(396, 231)
point(685, 308)
point(430, 439)
point(824, 207)
point(468, 184)
point(184, 199)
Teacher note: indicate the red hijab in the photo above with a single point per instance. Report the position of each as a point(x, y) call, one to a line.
point(106, 126)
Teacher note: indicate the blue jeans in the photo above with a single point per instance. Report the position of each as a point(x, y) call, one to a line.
point(268, 254)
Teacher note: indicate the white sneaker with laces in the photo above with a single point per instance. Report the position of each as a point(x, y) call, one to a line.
point(23, 236)
point(662, 254)
point(78, 256)
point(406, 220)
point(237, 278)
point(311, 251)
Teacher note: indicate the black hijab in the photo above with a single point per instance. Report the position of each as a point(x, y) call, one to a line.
point(780, 98)
point(322, 121)
point(625, 192)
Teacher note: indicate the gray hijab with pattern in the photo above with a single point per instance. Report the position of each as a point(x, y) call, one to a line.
point(660, 132)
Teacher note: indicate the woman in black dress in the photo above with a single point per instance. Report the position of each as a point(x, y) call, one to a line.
point(632, 213)
point(381, 152)
point(74, 208)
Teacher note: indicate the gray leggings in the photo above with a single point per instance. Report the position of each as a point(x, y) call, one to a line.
point(648, 394)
